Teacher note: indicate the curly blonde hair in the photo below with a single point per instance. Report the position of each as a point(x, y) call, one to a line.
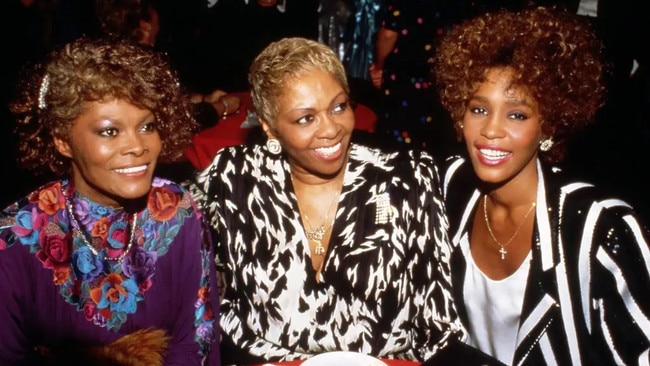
point(288, 57)
point(554, 55)
point(55, 92)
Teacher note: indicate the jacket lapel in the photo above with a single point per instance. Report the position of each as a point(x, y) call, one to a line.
point(541, 305)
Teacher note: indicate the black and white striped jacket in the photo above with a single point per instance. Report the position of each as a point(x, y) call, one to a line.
point(587, 301)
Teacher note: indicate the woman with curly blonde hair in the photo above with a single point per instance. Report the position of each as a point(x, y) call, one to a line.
point(107, 264)
point(546, 269)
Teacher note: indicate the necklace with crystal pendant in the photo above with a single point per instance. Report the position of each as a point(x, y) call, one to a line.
point(317, 235)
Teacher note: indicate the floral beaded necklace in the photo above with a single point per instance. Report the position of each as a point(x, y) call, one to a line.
point(79, 233)
point(108, 283)
point(60, 229)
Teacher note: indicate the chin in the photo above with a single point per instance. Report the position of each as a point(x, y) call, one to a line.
point(488, 175)
point(135, 192)
point(333, 172)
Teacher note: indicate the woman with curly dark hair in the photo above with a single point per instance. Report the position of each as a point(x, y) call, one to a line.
point(546, 269)
point(107, 264)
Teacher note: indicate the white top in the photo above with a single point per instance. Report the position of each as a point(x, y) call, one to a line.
point(493, 308)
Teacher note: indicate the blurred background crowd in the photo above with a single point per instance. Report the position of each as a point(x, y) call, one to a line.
point(385, 45)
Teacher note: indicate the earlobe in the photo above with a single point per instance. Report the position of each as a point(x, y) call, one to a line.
point(62, 146)
point(272, 143)
point(268, 131)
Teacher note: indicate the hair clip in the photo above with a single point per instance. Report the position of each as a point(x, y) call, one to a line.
point(42, 91)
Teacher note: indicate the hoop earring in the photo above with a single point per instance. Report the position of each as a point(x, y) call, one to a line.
point(545, 145)
point(274, 147)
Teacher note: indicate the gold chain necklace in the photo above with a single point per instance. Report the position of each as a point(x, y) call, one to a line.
point(318, 233)
point(502, 246)
point(76, 229)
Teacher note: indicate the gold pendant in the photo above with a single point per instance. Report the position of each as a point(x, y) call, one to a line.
point(503, 252)
point(318, 234)
point(319, 249)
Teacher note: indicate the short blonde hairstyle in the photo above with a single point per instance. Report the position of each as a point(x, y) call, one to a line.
point(288, 57)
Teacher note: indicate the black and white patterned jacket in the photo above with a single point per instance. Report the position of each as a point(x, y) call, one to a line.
point(587, 301)
point(386, 289)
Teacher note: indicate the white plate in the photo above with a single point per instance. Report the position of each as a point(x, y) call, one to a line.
point(342, 358)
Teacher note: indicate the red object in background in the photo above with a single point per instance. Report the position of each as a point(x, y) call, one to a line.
point(228, 131)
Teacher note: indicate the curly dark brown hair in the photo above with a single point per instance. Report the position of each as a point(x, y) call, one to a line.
point(55, 92)
point(554, 54)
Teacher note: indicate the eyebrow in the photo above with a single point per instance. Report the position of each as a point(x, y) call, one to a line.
point(311, 108)
point(511, 101)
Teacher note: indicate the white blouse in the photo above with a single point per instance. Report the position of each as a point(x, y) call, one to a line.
point(495, 309)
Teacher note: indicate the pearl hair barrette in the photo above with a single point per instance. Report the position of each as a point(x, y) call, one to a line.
point(42, 91)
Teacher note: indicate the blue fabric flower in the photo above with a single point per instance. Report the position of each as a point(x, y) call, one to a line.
point(97, 211)
point(117, 238)
point(85, 265)
point(24, 228)
point(118, 296)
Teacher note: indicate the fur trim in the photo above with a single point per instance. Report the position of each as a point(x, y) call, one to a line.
point(145, 347)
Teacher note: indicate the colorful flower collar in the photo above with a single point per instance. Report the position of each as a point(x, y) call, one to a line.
point(107, 291)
